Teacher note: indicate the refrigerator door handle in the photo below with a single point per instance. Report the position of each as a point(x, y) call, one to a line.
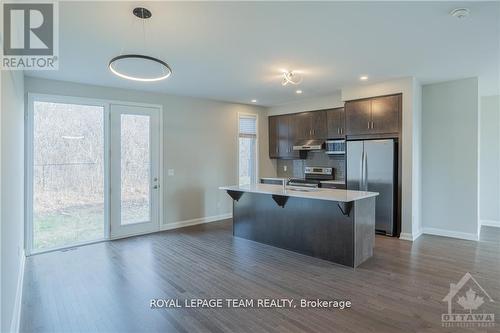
point(365, 171)
point(361, 171)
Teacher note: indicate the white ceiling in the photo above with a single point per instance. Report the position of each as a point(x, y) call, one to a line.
point(235, 51)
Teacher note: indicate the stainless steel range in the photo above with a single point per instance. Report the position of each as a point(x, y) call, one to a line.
point(312, 177)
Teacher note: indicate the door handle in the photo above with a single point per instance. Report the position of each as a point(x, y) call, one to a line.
point(156, 187)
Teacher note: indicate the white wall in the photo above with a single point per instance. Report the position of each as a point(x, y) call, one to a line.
point(489, 156)
point(410, 145)
point(12, 189)
point(449, 158)
point(200, 144)
point(308, 104)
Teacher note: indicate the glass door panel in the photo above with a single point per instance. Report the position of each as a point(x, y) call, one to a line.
point(68, 178)
point(134, 169)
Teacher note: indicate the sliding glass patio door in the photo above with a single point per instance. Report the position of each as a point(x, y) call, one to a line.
point(92, 171)
point(135, 137)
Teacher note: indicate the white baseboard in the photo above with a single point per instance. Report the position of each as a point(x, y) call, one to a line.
point(179, 224)
point(490, 223)
point(409, 236)
point(16, 313)
point(449, 233)
point(201, 220)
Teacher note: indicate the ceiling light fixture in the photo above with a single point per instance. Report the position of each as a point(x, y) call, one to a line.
point(254, 101)
point(125, 66)
point(298, 91)
point(460, 13)
point(291, 77)
point(363, 78)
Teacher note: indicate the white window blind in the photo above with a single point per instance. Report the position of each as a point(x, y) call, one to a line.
point(248, 126)
point(247, 149)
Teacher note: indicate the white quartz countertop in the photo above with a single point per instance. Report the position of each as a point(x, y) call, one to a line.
point(291, 191)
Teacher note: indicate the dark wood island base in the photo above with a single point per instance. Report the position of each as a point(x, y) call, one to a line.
point(341, 232)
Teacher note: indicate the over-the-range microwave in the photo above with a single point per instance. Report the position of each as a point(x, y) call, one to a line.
point(335, 147)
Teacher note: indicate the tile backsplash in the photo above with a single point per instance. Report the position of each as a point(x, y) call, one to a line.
point(295, 168)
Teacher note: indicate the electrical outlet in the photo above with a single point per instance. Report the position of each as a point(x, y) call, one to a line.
point(218, 204)
point(284, 168)
point(170, 172)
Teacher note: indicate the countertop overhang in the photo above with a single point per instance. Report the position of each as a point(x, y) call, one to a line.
point(319, 194)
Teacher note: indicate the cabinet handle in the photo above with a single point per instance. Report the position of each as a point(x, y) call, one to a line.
point(369, 125)
point(372, 124)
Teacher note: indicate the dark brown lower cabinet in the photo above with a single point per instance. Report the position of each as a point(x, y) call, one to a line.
point(333, 186)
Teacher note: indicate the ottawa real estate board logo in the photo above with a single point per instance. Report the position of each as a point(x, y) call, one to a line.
point(30, 39)
point(467, 305)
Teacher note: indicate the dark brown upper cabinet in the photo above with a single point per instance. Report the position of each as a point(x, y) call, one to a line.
point(310, 125)
point(335, 123)
point(281, 137)
point(273, 137)
point(358, 117)
point(385, 114)
point(319, 125)
point(286, 137)
point(378, 115)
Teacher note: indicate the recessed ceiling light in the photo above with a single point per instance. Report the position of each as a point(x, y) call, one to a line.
point(254, 101)
point(460, 13)
point(298, 91)
point(363, 78)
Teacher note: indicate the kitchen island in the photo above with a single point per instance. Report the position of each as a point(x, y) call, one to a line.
point(336, 225)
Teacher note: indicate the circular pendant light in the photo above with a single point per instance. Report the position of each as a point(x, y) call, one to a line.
point(138, 67)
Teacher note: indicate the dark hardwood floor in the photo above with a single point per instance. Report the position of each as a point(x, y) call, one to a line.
point(107, 287)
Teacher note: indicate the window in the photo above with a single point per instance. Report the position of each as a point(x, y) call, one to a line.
point(247, 149)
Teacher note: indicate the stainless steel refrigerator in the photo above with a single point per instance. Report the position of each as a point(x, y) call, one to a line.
point(371, 167)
